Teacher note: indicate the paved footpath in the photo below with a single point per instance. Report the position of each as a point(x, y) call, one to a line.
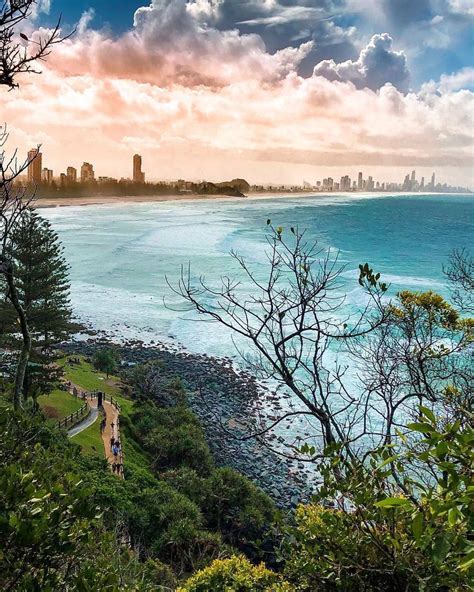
point(87, 421)
point(112, 417)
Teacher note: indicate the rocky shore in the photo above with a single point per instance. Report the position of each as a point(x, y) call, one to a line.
point(224, 400)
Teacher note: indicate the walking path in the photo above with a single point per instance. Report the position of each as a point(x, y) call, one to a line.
point(112, 416)
point(87, 421)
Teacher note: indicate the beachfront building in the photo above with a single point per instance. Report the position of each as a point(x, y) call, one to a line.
point(71, 174)
point(35, 168)
point(47, 176)
point(87, 173)
point(138, 174)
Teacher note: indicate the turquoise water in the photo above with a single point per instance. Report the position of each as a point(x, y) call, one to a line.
point(120, 254)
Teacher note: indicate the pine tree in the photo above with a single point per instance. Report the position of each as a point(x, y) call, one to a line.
point(41, 275)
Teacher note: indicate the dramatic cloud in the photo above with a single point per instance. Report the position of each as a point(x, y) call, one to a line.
point(199, 101)
point(378, 64)
point(169, 44)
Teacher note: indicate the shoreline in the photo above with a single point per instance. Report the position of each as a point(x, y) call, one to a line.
point(64, 202)
point(214, 390)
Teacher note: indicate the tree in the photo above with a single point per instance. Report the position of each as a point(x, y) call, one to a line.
point(106, 360)
point(295, 319)
point(43, 290)
point(18, 55)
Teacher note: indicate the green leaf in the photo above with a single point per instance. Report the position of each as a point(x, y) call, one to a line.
point(417, 526)
point(441, 548)
point(428, 413)
point(392, 502)
point(420, 427)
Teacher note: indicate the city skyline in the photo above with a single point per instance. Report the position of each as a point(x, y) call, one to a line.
point(37, 175)
point(275, 92)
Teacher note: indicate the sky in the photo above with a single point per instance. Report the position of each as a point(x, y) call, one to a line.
point(275, 91)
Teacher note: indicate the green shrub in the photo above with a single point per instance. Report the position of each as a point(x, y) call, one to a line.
point(236, 574)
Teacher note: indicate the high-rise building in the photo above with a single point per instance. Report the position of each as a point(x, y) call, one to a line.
point(47, 176)
point(360, 182)
point(87, 173)
point(35, 158)
point(138, 174)
point(413, 177)
point(71, 174)
point(433, 181)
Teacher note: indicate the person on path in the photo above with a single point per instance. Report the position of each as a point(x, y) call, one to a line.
point(112, 442)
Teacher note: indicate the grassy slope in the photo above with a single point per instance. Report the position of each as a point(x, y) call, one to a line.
point(85, 376)
point(59, 404)
point(90, 440)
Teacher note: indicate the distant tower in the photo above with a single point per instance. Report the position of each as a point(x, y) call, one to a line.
point(433, 181)
point(360, 182)
point(35, 168)
point(413, 176)
point(87, 173)
point(71, 174)
point(138, 174)
point(47, 176)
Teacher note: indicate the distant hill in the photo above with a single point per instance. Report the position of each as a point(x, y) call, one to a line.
point(240, 184)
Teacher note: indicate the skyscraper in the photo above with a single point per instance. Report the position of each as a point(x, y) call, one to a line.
point(138, 174)
point(87, 173)
point(433, 181)
point(47, 176)
point(360, 182)
point(71, 174)
point(35, 158)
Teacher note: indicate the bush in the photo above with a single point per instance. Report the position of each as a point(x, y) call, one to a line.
point(182, 446)
point(236, 574)
point(106, 360)
point(403, 535)
point(174, 439)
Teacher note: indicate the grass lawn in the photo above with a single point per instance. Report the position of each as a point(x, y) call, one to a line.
point(90, 440)
point(88, 378)
point(59, 404)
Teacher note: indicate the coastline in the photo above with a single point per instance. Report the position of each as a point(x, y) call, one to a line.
point(61, 202)
point(215, 394)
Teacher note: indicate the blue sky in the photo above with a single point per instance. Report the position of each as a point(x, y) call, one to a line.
point(436, 35)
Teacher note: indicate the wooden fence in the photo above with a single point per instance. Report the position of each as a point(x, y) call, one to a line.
point(74, 417)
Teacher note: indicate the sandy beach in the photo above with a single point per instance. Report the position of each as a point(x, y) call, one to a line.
point(58, 202)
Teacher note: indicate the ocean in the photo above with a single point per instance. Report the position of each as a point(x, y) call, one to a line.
point(123, 256)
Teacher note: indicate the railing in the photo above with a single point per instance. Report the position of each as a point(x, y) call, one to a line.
point(74, 417)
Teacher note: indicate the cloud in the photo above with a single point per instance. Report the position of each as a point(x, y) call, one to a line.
point(244, 128)
point(84, 22)
point(462, 6)
point(378, 64)
point(199, 101)
point(462, 79)
point(169, 44)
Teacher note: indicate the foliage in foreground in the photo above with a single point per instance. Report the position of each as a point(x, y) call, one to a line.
point(52, 536)
point(236, 574)
point(408, 534)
